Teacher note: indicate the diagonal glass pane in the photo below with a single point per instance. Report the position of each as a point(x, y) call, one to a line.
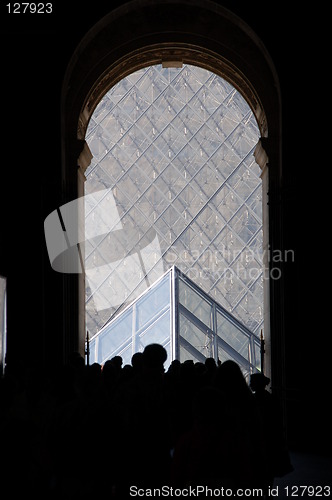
point(201, 341)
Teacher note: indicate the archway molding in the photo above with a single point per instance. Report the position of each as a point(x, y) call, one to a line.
point(171, 54)
point(142, 33)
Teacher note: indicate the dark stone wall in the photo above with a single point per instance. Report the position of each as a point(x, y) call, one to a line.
point(36, 52)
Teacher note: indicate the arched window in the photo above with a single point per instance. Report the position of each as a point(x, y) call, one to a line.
point(137, 38)
point(173, 181)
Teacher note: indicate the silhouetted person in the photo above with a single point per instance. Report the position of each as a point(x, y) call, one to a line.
point(211, 370)
point(249, 440)
point(117, 363)
point(109, 378)
point(145, 455)
point(137, 362)
point(154, 356)
point(207, 454)
point(210, 364)
point(277, 456)
point(172, 376)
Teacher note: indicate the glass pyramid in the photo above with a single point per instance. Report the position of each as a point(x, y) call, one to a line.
point(177, 314)
point(173, 181)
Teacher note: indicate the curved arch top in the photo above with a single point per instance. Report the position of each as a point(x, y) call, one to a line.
point(142, 33)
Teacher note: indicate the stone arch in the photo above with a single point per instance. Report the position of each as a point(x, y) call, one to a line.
point(142, 33)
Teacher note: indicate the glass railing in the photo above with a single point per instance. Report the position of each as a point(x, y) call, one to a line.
point(177, 314)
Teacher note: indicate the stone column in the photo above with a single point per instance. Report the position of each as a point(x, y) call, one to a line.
point(83, 162)
point(262, 160)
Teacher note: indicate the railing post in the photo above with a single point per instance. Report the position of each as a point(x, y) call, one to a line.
point(175, 343)
point(262, 351)
point(214, 329)
point(87, 350)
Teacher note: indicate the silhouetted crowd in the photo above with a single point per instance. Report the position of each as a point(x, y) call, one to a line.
point(84, 431)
